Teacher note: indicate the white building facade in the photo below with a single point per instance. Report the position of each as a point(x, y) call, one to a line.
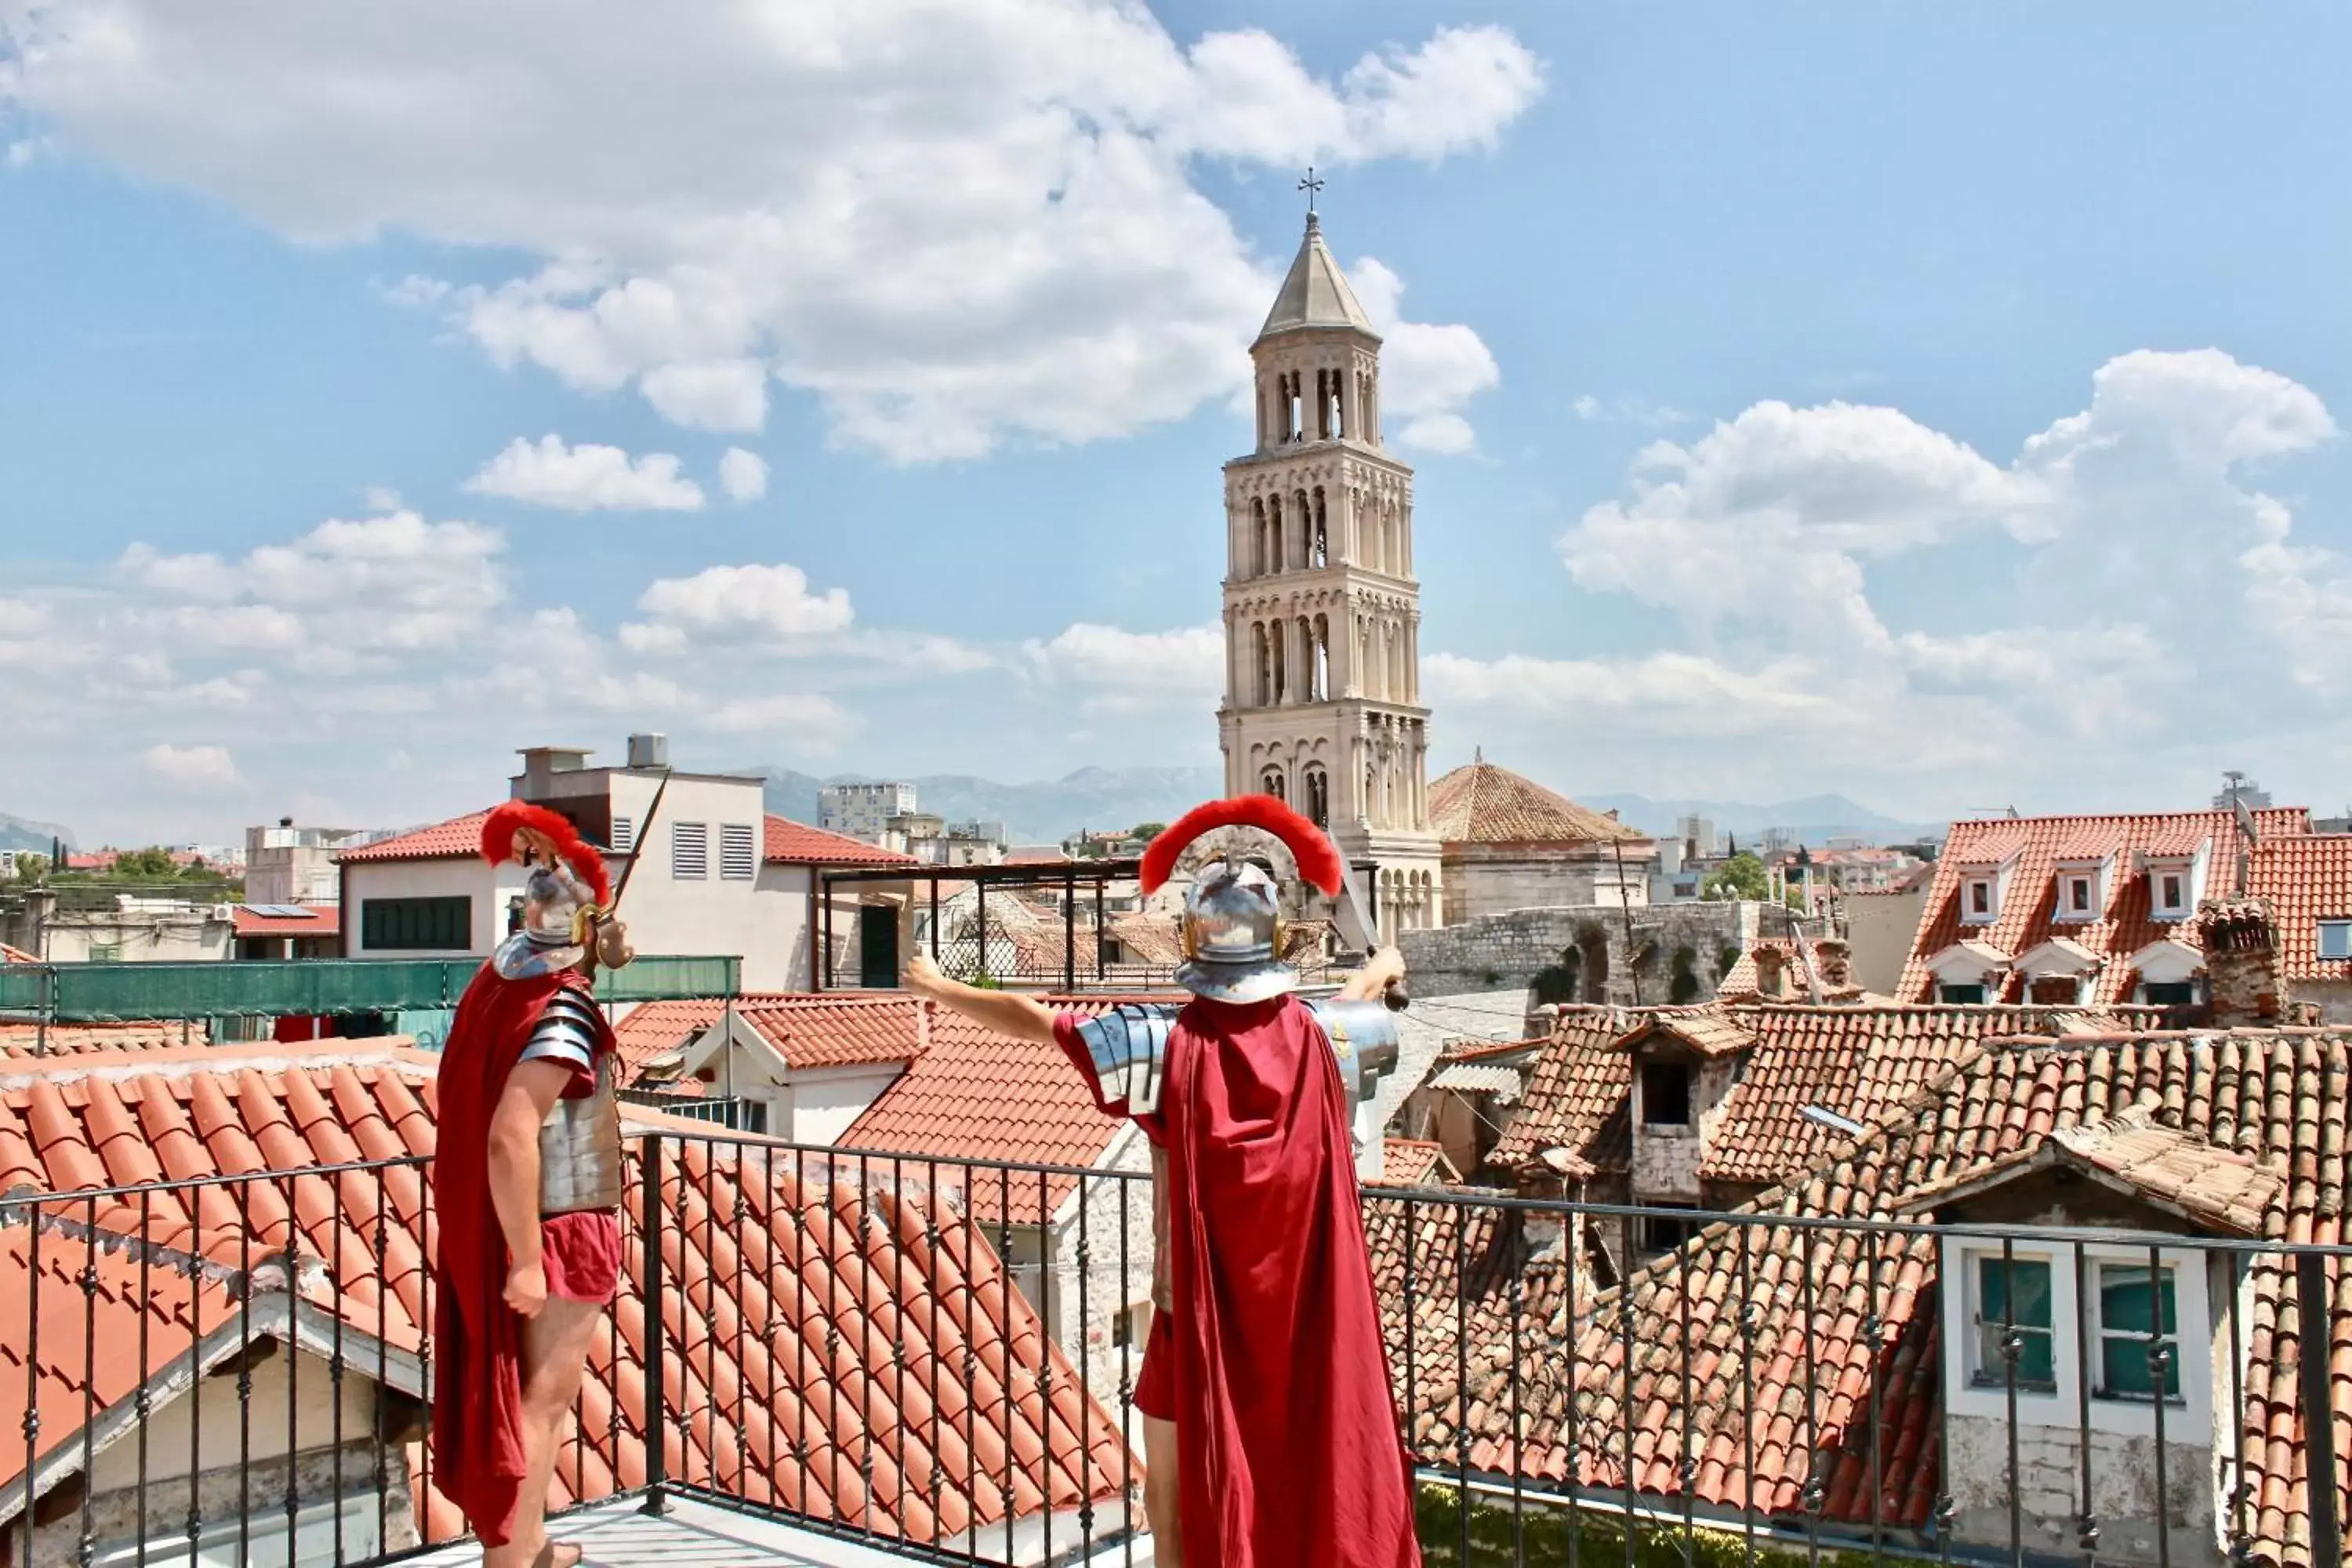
point(863, 810)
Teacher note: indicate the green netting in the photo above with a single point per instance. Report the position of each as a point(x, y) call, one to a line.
point(98, 993)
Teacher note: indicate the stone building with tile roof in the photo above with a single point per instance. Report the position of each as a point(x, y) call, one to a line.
point(2097, 910)
point(840, 1338)
point(1510, 844)
point(1808, 1358)
point(715, 874)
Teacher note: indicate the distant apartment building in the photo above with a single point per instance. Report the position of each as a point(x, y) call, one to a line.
point(863, 811)
point(938, 842)
point(719, 876)
point(290, 865)
point(1701, 838)
point(90, 922)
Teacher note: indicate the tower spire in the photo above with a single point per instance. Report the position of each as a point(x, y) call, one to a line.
point(1310, 185)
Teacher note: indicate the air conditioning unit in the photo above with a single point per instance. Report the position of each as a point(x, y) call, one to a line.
point(223, 912)
point(649, 751)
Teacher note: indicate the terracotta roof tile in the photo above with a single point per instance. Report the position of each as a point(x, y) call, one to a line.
point(976, 1094)
point(798, 843)
point(453, 840)
point(839, 1343)
point(1411, 1162)
point(2029, 903)
point(805, 1029)
point(20, 1039)
point(2304, 878)
point(317, 920)
point(1794, 1364)
point(1482, 804)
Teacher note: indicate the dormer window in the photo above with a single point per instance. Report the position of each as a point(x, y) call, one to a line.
point(1665, 1094)
point(1979, 901)
point(2167, 892)
point(2077, 898)
point(2335, 939)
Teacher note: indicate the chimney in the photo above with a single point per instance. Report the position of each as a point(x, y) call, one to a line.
point(1772, 970)
point(2242, 973)
point(1835, 961)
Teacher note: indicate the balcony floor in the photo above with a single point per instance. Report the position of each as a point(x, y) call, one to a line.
point(697, 1535)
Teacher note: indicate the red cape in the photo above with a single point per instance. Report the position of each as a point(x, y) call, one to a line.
point(478, 1452)
point(1292, 1454)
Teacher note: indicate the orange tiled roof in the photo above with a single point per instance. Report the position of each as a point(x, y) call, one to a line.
point(836, 1342)
point(2304, 880)
point(321, 920)
point(652, 1030)
point(1411, 1162)
point(2027, 906)
point(1482, 804)
point(977, 1094)
point(2257, 1106)
point(18, 1038)
point(798, 843)
point(1862, 1062)
point(451, 840)
point(806, 1029)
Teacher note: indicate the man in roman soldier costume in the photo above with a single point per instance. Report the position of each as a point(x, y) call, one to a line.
point(1270, 1430)
point(527, 1189)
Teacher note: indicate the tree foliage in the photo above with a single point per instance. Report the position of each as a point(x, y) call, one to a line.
point(1741, 877)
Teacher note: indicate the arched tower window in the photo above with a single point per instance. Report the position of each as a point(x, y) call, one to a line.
point(1322, 637)
point(1276, 634)
point(1294, 404)
point(1318, 533)
point(1318, 789)
point(1306, 514)
point(1257, 536)
point(1271, 784)
point(1264, 666)
point(1274, 533)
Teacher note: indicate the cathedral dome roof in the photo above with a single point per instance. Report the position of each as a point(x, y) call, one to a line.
point(1314, 294)
point(1482, 804)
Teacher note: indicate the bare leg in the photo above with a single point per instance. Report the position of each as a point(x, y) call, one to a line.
point(554, 1356)
point(1161, 1509)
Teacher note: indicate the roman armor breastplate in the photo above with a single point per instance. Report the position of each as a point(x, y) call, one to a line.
point(579, 1142)
point(1128, 1046)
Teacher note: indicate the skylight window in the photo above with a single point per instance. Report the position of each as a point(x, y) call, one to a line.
point(2335, 939)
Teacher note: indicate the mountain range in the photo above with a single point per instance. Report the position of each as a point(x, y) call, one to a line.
point(1815, 819)
point(21, 833)
point(1047, 811)
point(1044, 812)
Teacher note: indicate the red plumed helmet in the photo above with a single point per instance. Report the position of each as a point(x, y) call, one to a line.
point(1318, 857)
point(499, 830)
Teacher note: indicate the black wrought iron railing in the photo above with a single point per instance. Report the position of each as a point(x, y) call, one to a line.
point(938, 1357)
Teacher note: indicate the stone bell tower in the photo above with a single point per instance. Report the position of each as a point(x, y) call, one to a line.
point(1322, 612)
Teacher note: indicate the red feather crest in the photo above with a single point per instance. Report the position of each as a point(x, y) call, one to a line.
point(1317, 858)
point(498, 831)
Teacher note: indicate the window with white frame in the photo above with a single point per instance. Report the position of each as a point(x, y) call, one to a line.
point(2011, 1297)
point(2078, 897)
point(1961, 995)
point(2335, 939)
point(690, 851)
point(1979, 900)
point(738, 859)
point(2135, 1320)
point(2167, 892)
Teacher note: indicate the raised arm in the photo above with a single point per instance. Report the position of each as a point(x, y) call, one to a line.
point(1383, 969)
point(1006, 1012)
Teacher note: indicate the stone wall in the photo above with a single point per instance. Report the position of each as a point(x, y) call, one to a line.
point(2048, 1497)
point(1581, 953)
point(1482, 879)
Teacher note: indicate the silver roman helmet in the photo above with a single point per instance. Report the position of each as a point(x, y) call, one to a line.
point(1231, 926)
point(1232, 934)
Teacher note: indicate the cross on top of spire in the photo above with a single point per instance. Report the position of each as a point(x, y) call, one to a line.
point(1310, 185)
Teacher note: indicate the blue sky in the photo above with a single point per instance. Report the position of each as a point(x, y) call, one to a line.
point(1996, 352)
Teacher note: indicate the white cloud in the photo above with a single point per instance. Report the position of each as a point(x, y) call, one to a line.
point(1427, 372)
point(1627, 411)
point(804, 722)
point(742, 475)
point(344, 589)
point(759, 603)
point(191, 767)
point(2156, 595)
point(1123, 671)
point(955, 226)
point(586, 478)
